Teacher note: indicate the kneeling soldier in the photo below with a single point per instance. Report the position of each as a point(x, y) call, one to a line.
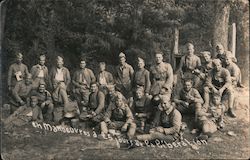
point(119, 117)
point(44, 100)
point(166, 125)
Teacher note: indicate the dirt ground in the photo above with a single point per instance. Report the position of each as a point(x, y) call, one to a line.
point(27, 142)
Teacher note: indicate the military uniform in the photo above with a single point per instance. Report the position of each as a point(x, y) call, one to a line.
point(104, 78)
point(142, 79)
point(187, 65)
point(117, 117)
point(46, 99)
point(16, 73)
point(235, 73)
point(21, 92)
point(61, 75)
point(171, 123)
point(161, 74)
point(124, 78)
point(81, 85)
point(39, 73)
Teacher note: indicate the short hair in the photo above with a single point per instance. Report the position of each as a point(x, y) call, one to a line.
point(206, 52)
point(102, 63)
point(188, 80)
point(83, 59)
point(189, 44)
point(140, 89)
point(42, 56)
point(92, 83)
point(216, 61)
point(42, 83)
point(59, 58)
point(159, 52)
point(229, 54)
point(34, 98)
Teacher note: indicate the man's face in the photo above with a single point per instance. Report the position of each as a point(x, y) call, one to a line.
point(217, 66)
point(207, 57)
point(187, 86)
point(158, 58)
point(93, 88)
point(19, 60)
point(41, 88)
point(190, 50)
point(102, 67)
point(119, 102)
point(55, 84)
point(82, 64)
point(33, 103)
point(141, 64)
point(122, 60)
point(216, 100)
point(41, 61)
point(219, 49)
point(165, 105)
point(59, 63)
point(111, 90)
point(139, 94)
point(228, 60)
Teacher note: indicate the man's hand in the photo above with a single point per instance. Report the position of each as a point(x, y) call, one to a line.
point(160, 129)
point(93, 113)
point(22, 103)
point(43, 105)
point(124, 127)
point(221, 91)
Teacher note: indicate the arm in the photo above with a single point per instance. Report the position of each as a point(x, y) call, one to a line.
point(68, 78)
point(101, 102)
point(92, 76)
point(148, 83)
point(16, 91)
point(176, 124)
point(131, 73)
point(170, 74)
point(129, 115)
point(197, 97)
point(228, 80)
point(74, 82)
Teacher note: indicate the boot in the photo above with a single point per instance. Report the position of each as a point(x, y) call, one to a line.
point(231, 113)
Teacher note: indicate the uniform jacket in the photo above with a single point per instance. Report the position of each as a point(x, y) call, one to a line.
point(36, 69)
point(22, 90)
point(97, 102)
point(142, 78)
point(87, 74)
point(108, 76)
point(124, 76)
point(14, 68)
point(66, 75)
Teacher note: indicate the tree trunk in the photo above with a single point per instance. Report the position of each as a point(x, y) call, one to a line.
point(221, 19)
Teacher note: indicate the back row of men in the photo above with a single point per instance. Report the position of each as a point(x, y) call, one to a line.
point(107, 99)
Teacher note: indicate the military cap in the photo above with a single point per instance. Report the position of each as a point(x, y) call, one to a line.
point(19, 55)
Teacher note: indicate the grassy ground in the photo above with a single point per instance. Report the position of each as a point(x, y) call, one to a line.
point(27, 142)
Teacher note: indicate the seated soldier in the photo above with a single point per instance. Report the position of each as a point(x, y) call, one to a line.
point(220, 54)
point(60, 100)
point(233, 69)
point(166, 125)
point(94, 111)
point(104, 78)
point(211, 120)
point(141, 108)
point(81, 81)
point(44, 101)
point(22, 90)
point(37, 114)
point(119, 117)
point(219, 81)
point(189, 100)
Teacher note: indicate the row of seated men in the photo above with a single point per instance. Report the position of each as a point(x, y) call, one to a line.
point(128, 100)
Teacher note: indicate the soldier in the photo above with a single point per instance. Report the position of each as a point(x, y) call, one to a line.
point(94, 112)
point(119, 117)
point(166, 125)
point(233, 69)
point(211, 120)
point(220, 54)
point(104, 78)
point(189, 63)
point(189, 100)
point(22, 90)
point(141, 109)
point(219, 81)
point(124, 76)
point(60, 73)
point(44, 100)
point(111, 96)
point(81, 81)
point(17, 72)
point(36, 110)
point(39, 72)
point(60, 100)
point(142, 77)
point(161, 74)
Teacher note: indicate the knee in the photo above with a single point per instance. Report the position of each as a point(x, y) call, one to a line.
point(51, 106)
point(206, 90)
point(132, 125)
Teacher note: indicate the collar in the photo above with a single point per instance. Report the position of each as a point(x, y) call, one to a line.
point(170, 111)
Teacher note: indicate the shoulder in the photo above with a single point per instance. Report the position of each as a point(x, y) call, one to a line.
point(176, 114)
point(129, 66)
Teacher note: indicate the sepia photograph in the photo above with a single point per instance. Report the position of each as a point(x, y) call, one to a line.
point(124, 79)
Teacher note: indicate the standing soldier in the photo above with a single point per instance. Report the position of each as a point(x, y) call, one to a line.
point(219, 81)
point(17, 72)
point(60, 73)
point(39, 72)
point(142, 78)
point(189, 63)
point(161, 74)
point(81, 81)
point(124, 76)
point(104, 78)
point(44, 100)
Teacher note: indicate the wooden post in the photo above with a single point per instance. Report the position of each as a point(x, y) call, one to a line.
point(233, 39)
point(175, 49)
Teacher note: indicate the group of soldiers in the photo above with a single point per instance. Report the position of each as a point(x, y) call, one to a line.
point(140, 103)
